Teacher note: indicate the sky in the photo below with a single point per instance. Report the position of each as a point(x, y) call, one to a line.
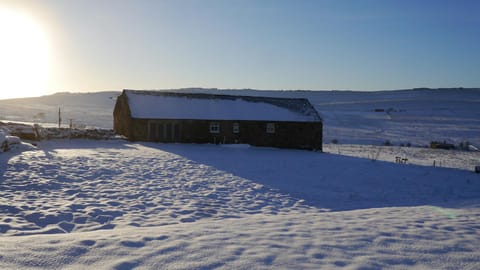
point(77, 46)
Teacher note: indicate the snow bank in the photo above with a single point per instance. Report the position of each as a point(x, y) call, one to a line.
point(472, 148)
point(6, 141)
point(13, 140)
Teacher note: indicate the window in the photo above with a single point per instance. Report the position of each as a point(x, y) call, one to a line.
point(270, 127)
point(236, 128)
point(214, 127)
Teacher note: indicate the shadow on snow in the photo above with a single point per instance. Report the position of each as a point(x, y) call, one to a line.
point(333, 181)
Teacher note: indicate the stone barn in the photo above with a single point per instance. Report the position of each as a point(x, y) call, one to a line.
point(161, 116)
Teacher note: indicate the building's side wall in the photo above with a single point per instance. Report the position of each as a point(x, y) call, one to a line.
point(122, 121)
point(305, 135)
point(139, 130)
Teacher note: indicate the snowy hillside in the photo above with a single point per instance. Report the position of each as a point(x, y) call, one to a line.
point(91, 109)
point(80, 204)
point(405, 116)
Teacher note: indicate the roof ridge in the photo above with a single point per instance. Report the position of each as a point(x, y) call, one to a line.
point(173, 93)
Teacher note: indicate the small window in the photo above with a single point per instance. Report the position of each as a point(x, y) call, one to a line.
point(236, 128)
point(270, 127)
point(214, 127)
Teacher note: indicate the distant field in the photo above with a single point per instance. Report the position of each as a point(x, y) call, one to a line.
point(465, 160)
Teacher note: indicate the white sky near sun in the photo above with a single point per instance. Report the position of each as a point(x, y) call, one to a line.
point(24, 54)
point(49, 46)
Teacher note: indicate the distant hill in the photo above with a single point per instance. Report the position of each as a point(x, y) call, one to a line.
point(415, 116)
point(92, 109)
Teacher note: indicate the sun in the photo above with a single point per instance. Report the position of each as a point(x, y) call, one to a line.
point(23, 56)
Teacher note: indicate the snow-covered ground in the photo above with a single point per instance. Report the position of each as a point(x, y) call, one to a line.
point(118, 205)
point(82, 204)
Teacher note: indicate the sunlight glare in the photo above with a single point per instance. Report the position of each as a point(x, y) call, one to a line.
point(23, 56)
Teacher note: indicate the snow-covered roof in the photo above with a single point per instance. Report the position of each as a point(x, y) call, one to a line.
point(170, 105)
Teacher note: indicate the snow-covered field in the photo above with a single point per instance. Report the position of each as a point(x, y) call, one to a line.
point(459, 159)
point(118, 205)
point(83, 204)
